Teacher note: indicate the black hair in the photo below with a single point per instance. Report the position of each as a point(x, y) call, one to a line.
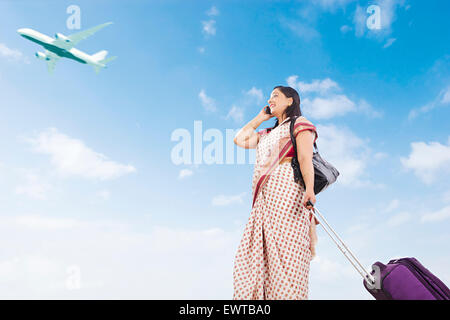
point(294, 108)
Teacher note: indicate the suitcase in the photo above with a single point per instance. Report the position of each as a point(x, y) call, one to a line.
point(400, 279)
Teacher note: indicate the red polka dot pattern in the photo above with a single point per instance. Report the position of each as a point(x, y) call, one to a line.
point(272, 261)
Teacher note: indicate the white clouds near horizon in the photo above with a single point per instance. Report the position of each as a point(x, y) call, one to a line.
point(323, 99)
point(71, 157)
point(428, 161)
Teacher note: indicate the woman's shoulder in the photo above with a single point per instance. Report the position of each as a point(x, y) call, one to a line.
point(302, 120)
point(303, 124)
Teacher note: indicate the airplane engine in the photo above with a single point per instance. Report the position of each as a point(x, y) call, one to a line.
point(42, 56)
point(62, 37)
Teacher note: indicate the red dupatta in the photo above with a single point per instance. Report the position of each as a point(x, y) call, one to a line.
point(279, 150)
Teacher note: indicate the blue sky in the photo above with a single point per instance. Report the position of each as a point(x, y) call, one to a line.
point(87, 181)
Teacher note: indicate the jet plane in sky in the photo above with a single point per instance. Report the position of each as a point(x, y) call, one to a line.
point(63, 47)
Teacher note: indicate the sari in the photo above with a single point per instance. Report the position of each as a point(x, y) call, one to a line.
point(273, 257)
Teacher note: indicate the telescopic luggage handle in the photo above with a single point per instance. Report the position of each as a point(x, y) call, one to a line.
point(353, 260)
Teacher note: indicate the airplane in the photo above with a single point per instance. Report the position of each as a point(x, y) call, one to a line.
point(63, 47)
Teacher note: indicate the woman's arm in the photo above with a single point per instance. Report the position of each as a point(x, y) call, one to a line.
point(247, 137)
point(305, 154)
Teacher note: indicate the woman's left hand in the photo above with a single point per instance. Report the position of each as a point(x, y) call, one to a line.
point(309, 195)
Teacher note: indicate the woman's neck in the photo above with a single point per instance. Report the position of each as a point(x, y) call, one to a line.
point(282, 118)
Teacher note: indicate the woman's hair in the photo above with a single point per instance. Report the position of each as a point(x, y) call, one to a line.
point(294, 108)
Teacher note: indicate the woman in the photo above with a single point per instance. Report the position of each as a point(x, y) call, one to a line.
point(272, 261)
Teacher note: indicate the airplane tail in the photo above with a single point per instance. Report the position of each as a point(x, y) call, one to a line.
point(100, 58)
point(100, 55)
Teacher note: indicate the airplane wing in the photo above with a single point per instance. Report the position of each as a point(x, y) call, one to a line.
point(77, 37)
point(51, 60)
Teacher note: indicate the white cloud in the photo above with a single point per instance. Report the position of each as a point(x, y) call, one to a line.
point(388, 12)
point(120, 260)
point(365, 107)
point(12, 54)
point(302, 30)
point(44, 223)
point(201, 49)
point(446, 196)
point(104, 194)
point(330, 270)
point(34, 186)
point(208, 103)
point(325, 108)
point(445, 96)
point(392, 205)
point(380, 155)
point(209, 27)
point(387, 17)
point(345, 28)
point(398, 219)
point(437, 216)
point(256, 94)
point(347, 152)
point(305, 26)
point(332, 4)
point(236, 113)
point(442, 99)
point(248, 99)
point(428, 160)
point(185, 173)
point(115, 260)
point(316, 86)
point(359, 19)
point(71, 157)
point(213, 11)
point(321, 99)
point(389, 42)
point(223, 200)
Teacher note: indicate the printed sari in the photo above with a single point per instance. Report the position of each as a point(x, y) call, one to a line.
point(272, 261)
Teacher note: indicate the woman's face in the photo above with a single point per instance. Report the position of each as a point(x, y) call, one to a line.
point(278, 102)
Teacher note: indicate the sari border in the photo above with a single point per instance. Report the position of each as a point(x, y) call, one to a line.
point(262, 180)
point(266, 176)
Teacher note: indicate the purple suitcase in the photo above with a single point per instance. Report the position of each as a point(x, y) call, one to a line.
point(405, 279)
point(400, 279)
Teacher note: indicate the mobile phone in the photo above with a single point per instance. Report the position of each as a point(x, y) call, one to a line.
point(268, 110)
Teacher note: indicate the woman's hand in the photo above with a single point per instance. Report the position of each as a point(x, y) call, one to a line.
point(309, 196)
point(263, 115)
point(247, 137)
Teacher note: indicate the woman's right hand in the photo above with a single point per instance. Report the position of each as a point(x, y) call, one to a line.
point(263, 115)
point(247, 137)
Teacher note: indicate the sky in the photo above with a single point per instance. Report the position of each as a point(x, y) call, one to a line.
point(127, 185)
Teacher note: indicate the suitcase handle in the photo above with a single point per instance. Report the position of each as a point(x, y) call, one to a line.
point(361, 270)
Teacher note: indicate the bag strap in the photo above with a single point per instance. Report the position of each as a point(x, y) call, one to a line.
point(294, 142)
